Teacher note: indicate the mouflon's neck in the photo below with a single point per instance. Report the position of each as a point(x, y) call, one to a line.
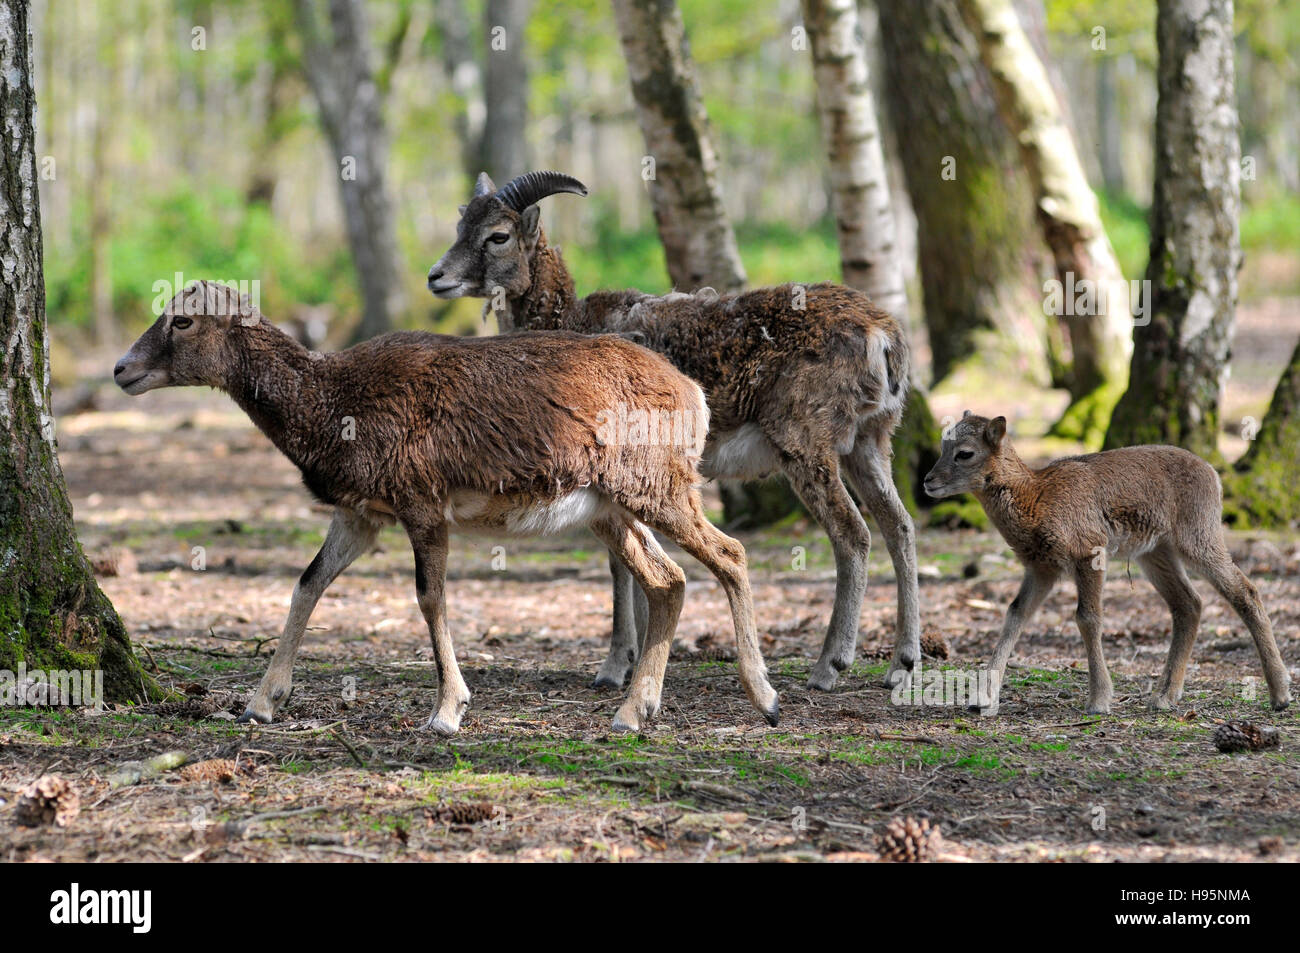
point(550, 302)
point(1006, 483)
point(276, 381)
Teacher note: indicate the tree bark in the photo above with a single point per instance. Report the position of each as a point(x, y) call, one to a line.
point(504, 151)
point(698, 240)
point(1261, 489)
point(977, 248)
point(1068, 214)
point(465, 79)
point(1180, 360)
point(52, 613)
point(341, 76)
point(870, 257)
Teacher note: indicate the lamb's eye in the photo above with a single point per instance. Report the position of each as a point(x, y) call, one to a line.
point(499, 238)
point(965, 454)
point(181, 324)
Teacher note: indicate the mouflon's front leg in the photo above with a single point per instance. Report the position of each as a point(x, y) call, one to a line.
point(429, 540)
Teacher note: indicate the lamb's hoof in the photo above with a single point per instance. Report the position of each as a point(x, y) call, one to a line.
point(1282, 705)
point(440, 726)
point(250, 717)
point(773, 713)
point(624, 727)
point(1157, 703)
point(1098, 708)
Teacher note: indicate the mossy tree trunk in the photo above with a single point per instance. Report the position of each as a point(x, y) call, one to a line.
point(1101, 328)
point(1261, 489)
point(1180, 360)
point(505, 90)
point(870, 256)
point(52, 613)
point(980, 258)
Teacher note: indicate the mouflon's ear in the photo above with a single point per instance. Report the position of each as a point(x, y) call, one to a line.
point(995, 431)
point(531, 220)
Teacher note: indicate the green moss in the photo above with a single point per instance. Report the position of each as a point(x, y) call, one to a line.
point(1087, 418)
point(963, 512)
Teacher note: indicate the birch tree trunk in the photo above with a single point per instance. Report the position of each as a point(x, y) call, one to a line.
point(870, 258)
point(504, 152)
point(465, 78)
point(1180, 360)
point(1101, 338)
point(52, 613)
point(977, 248)
point(340, 73)
point(698, 240)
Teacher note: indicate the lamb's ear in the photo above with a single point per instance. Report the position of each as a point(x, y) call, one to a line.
point(530, 221)
point(995, 431)
point(462, 210)
point(965, 414)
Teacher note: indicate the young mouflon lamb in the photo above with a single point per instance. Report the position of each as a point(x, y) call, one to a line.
point(1160, 506)
point(438, 433)
point(805, 380)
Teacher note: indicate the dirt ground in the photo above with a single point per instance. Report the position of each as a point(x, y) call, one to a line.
point(345, 774)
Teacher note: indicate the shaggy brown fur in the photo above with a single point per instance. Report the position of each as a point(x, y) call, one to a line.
point(498, 434)
point(1160, 506)
point(807, 380)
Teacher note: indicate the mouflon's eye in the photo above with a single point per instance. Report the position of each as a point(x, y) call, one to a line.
point(965, 454)
point(499, 238)
point(181, 324)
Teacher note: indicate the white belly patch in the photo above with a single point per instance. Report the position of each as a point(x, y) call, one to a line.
point(522, 516)
point(743, 452)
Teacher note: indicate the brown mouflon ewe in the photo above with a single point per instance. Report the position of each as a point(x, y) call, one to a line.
point(805, 380)
point(1160, 506)
point(503, 435)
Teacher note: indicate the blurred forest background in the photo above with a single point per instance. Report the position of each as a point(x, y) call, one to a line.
point(199, 137)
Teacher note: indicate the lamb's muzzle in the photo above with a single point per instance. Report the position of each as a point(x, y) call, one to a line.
point(490, 434)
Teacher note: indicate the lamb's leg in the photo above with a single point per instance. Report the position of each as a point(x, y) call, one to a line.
point(686, 524)
point(1165, 571)
point(1088, 617)
point(625, 643)
point(1217, 566)
point(868, 470)
point(665, 585)
point(429, 540)
point(350, 535)
point(818, 485)
point(1034, 590)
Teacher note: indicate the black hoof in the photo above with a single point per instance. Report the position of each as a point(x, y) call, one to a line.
point(604, 682)
point(249, 717)
point(774, 714)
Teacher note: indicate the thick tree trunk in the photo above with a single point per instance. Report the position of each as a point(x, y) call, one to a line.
point(870, 258)
point(683, 171)
point(1261, 490)
point(52, 614)
point(341, 76)
point(504, 152)
point(1101, 338)
point(979, 256)
point(1180, 360)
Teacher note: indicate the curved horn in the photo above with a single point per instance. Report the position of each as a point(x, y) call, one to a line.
point(531, 187)
point(484, 185)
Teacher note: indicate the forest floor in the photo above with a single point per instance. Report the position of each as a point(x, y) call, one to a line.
point(346, 774)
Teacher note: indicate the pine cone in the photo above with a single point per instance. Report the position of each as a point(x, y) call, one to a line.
point(935, 646)
point(908, 841)
point(219, 770)
point(464, 814)
point(51, 799)
point(1244, 736)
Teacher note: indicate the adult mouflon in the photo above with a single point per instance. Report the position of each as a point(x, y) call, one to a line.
point(442, 434)
point(1160, 506)
point(805, 380)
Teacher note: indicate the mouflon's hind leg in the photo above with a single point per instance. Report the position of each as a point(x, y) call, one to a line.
point(664, 584)
point(625, 642)
point(869, 471)
point(429, 541)
point(1088, 618)
point(686, 524)
point(1164, 570)
point(350, 535)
